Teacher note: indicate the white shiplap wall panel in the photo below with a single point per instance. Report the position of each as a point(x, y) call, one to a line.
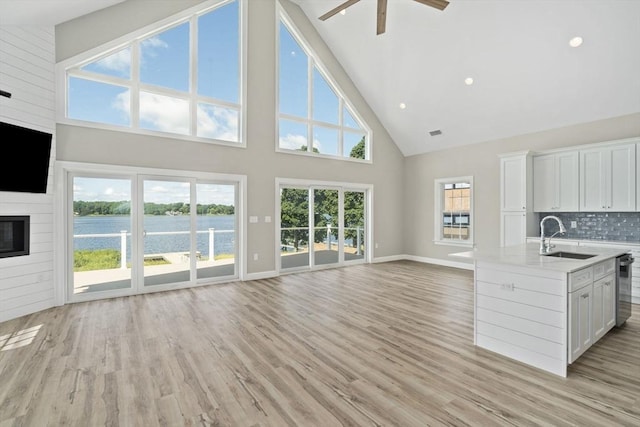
point(27, 71)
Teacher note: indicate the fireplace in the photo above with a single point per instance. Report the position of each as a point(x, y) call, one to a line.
point(14, 236)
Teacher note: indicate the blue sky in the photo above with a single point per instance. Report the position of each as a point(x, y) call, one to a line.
point(115, 190)
point(165, 64)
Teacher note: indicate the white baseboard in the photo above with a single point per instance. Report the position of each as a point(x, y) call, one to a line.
point(425, 260)
point(443, 262)
point(389, 258)
point(261, 275)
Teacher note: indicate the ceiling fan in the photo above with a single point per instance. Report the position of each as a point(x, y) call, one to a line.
point(382, 10)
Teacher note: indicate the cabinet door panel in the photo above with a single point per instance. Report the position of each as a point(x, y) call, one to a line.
point(592, 181)
point(544, 184)
point(597, 315)
point(514, 228)
point(622, 185)
point(513, 184)
point(568, 182)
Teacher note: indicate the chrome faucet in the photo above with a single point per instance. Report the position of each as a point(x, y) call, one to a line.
point(545, 246)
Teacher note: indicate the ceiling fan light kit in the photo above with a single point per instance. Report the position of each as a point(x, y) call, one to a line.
point(382, 11)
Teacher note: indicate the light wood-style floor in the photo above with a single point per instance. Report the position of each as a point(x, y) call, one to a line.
point(373, 345)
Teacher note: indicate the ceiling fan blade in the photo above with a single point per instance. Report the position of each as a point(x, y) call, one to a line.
point(338, 9)
point(382, 16)
point(438, 4)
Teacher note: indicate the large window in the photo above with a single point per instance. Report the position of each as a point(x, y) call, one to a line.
point(322, 224)
point(134, 230)
point(183, 78)
point(313, 116)
point(454, 211)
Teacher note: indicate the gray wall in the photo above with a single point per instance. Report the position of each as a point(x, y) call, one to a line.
point(258, 161)
point(482, 162)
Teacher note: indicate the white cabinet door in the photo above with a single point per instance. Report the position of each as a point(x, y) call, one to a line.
point(544, 183)
point(608, 179)
point(513, 183)
point(622, 175)
point(556, 182)
point(580, 328)
point(609, 302)
point(597, 314)
point(592, 185)
point(604, 306)
point(567, 182)
point(514, 228)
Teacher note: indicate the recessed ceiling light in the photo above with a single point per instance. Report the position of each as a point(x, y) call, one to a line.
point(575, 42)
point(402, 105)
point(468, 81)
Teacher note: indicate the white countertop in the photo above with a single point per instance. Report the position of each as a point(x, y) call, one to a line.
point(527, 255)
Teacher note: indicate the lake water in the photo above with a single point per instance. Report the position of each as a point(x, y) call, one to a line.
point(224, 242)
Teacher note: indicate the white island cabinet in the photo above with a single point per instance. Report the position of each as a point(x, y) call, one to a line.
point(544, 311)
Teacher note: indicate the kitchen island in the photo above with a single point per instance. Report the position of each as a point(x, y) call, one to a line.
point(543, 310)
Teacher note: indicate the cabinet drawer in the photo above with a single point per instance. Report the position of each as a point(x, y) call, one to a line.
point(510, 280)
point(580, 278)
point(603, 268)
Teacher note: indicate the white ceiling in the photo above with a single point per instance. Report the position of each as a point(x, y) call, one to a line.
point(526, 76)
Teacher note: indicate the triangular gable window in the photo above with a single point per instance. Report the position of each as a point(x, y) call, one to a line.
point(182, 77)
point(311, 107)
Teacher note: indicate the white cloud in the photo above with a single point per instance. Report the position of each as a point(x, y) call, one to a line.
point(217, 123)
point(119, 61)
point(292, 142)
point(164, 113)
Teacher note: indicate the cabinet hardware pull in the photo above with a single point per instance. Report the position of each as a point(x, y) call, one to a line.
point(585, 295)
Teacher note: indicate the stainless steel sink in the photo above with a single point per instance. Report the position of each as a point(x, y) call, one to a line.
point(572, 255)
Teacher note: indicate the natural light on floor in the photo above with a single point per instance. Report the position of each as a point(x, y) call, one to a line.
point(18, 339)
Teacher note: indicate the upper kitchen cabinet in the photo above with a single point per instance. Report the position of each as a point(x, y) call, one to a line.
point(556, 182)
point(517, 220)
point(608, 178)
point(515, 176)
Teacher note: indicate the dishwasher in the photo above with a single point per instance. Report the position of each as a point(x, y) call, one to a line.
point(623, 288)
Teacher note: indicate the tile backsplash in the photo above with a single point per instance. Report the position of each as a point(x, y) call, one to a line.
point(613, 226)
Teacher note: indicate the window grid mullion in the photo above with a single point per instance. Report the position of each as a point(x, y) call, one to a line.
point(135, 84)
point(193, 80)
point(310, 65)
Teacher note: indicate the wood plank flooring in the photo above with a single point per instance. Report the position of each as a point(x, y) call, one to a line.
point(371, 345)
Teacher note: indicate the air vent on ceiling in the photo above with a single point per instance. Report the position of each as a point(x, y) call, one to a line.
point(435, 132)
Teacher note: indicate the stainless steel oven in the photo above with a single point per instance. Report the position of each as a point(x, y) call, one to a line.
point(623, 288)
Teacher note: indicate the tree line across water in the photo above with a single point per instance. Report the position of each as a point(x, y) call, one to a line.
point(83, 208)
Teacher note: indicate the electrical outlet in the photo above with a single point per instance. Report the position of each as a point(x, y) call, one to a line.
point(574, 224)
point(255, 257)
point(376, 245)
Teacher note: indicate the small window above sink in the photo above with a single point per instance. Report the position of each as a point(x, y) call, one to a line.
point(571, 255)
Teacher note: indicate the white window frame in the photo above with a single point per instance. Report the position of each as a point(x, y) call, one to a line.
point(438, 208)
point(63, 206)
point(71, 67)
point(343, 101)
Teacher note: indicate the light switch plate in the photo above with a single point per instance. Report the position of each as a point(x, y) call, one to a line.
point(267, 219)
point(574, 224)
point(253, 219)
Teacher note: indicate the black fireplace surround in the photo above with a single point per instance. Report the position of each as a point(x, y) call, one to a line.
point(14, 236)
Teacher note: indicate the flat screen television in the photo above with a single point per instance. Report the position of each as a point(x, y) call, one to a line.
point(25, 159)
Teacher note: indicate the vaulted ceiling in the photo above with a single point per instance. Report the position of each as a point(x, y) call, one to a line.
point(526, 77)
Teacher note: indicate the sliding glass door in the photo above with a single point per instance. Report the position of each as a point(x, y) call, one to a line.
point(321, 226)
point(139, 233)
point(167, 237)
point(101, 227)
